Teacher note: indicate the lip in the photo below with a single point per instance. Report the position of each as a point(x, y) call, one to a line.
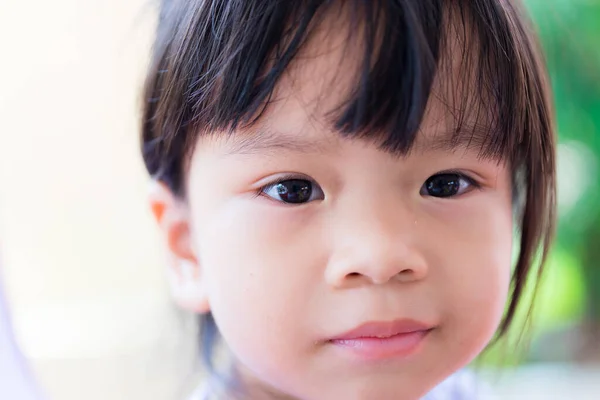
point(383, 340)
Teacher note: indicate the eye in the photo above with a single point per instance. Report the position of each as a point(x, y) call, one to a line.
point(447, 185)
point(293, 191)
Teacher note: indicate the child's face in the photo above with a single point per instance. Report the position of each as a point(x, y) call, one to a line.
point(364, 237)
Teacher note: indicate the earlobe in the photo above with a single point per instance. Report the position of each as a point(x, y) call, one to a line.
point(187, 288)
point(183, 270)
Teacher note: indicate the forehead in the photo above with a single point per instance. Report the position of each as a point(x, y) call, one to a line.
point(327, 72)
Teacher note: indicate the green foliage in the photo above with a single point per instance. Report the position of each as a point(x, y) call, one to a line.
point(569, 32)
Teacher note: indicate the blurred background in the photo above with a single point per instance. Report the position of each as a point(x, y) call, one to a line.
point(81, 261)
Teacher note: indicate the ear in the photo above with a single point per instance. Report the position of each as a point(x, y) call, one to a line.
point(183, 270)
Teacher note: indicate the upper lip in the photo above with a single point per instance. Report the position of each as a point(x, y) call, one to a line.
point(384, 329)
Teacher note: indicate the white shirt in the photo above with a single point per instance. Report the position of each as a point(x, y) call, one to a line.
point(463, 385)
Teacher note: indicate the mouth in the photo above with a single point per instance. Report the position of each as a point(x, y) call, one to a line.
point(383, 340)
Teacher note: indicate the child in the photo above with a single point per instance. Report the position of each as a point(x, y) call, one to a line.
point(339, 183)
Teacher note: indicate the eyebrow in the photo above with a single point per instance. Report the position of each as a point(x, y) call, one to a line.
point(468, 137)
point(267, 141)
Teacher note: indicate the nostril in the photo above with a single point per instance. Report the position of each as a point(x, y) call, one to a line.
point(353, 275)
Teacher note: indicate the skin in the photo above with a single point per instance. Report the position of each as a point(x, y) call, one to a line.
point(282, 279)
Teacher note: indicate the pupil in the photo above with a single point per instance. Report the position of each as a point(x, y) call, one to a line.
point(294, 191)
point(443, 185)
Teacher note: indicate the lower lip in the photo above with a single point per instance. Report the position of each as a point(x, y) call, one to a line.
point(373, 348)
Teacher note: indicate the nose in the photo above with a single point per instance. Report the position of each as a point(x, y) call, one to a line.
point(375, 250)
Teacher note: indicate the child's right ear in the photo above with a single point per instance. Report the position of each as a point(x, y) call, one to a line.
point(183, 270)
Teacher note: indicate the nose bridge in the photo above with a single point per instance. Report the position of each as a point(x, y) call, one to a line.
point(378, 227)
point(376, 242)
point(385, 220)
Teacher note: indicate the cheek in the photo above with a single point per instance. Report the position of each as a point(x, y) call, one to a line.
point(259, 263)
point(475, 265)
point(252, 248)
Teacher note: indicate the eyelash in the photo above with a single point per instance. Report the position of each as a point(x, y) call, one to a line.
point(472, 181)
point(261, 191)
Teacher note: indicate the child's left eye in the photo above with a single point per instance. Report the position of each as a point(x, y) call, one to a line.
point(293, 191)
point(448, 184)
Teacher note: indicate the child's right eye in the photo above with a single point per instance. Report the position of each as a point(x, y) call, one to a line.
point(293, 191)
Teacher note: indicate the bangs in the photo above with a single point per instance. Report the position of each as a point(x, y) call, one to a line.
point(219, 63)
